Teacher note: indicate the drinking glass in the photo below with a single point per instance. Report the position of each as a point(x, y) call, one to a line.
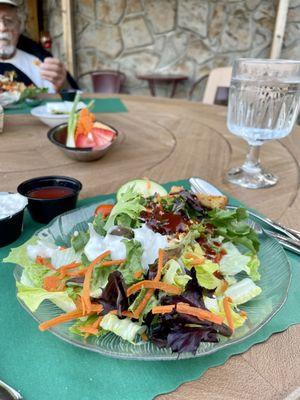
point(263, 105)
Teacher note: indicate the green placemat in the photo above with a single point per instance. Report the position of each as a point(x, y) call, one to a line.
point(107, 105)
point(41, 366)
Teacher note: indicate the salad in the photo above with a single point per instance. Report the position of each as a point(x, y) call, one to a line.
point(84, 131)
point(170, 268)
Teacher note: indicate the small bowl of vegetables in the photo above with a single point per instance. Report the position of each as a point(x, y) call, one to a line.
point(83, 138)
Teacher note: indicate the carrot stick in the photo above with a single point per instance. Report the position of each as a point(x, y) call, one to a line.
point(144, 337)
point(87, 281)
point(60, 319)
point(138, 274)
point(150, 292)
point(199, 313)
point(140, 308)
point(112, 262)
point(163, 309)
point(159, 264)
point(228, 314)
point(197, 261)
point(42, 261)
point(53, 283)
point(147, 284)
point(124, 313)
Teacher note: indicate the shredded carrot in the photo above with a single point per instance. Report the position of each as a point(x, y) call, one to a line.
point(147, 284)
point(150, 292)
point(190, 255)
point(93, 328)
point(87, 280)
point(197, 261)
point(163, 309)
point(161, 254)
point(42, 261)
point(224, 286)
point(124, 313)
point(144, 337)
point(112, 262)
point(243, 314)
point(53, 283)
point(199, 313)
point(140, 308)
point(80, 272)
point(85, 122)
point(227, 310)
point(60, 319)
point(65, 268)
point(138, 274)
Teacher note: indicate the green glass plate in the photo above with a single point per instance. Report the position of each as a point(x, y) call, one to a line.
point(275, 280)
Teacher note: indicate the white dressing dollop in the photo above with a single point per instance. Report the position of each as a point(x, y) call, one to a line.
point(42, 249)
point(151, 243)
point(98, 244)
point(11, 203)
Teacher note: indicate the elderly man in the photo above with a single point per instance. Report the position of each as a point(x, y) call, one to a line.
point(32, 64)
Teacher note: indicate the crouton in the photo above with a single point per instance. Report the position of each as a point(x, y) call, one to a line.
point(212, 201)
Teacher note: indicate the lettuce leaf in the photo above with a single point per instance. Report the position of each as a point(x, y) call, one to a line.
point(124, 328)
point(237, 319)
point(33, 297)
point(243, 291)
point(252, 268)
point(233, 226)
point(129, 204)
point(19, 255)
point(151, 303)
point(233, 261)
point(205, 274)
point(134, 252)
point(174, 275)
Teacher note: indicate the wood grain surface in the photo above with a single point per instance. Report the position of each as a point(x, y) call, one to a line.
point(166, 140)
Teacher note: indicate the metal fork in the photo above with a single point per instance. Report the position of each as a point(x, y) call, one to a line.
point(8, 393)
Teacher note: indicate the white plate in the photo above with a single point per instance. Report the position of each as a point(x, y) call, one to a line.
point(47, 118)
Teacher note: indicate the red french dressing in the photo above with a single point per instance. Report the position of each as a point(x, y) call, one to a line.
point(50, 192)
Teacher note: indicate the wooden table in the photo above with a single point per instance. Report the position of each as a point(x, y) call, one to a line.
point(168, 140)
point(152, 79)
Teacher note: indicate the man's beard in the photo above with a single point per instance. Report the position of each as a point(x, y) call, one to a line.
point(6, 51)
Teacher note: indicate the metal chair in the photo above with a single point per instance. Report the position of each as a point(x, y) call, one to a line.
point(106, 81)
point(214, 86)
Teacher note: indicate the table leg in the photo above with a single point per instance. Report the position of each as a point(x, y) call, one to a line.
point(151, 84)
point(174, 88)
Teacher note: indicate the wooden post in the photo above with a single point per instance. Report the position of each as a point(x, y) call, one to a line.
point(279, 30)
point(32, 23)
point(67, 23)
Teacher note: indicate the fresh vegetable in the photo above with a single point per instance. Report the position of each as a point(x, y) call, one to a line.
point(84, 131)
point(144, 187)
point(163, 268)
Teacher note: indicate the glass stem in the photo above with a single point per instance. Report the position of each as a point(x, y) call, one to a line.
point(252, 162)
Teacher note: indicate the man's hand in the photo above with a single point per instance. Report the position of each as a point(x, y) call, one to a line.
point(54, 71)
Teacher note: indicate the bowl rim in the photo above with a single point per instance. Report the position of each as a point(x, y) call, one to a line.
point(51, 132)
point(49, 177)
point(36, 114)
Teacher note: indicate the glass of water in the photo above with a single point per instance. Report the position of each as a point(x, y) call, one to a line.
point(263, 105)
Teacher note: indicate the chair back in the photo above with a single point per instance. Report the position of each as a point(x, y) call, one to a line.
point(106, 81)
point(217, 87)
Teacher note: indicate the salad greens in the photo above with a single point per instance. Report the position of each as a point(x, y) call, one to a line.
point(157, 267)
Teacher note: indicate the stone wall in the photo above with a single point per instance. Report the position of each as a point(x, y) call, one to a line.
point(170, 36)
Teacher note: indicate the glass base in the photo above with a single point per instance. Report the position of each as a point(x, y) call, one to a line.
point(256, 180)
